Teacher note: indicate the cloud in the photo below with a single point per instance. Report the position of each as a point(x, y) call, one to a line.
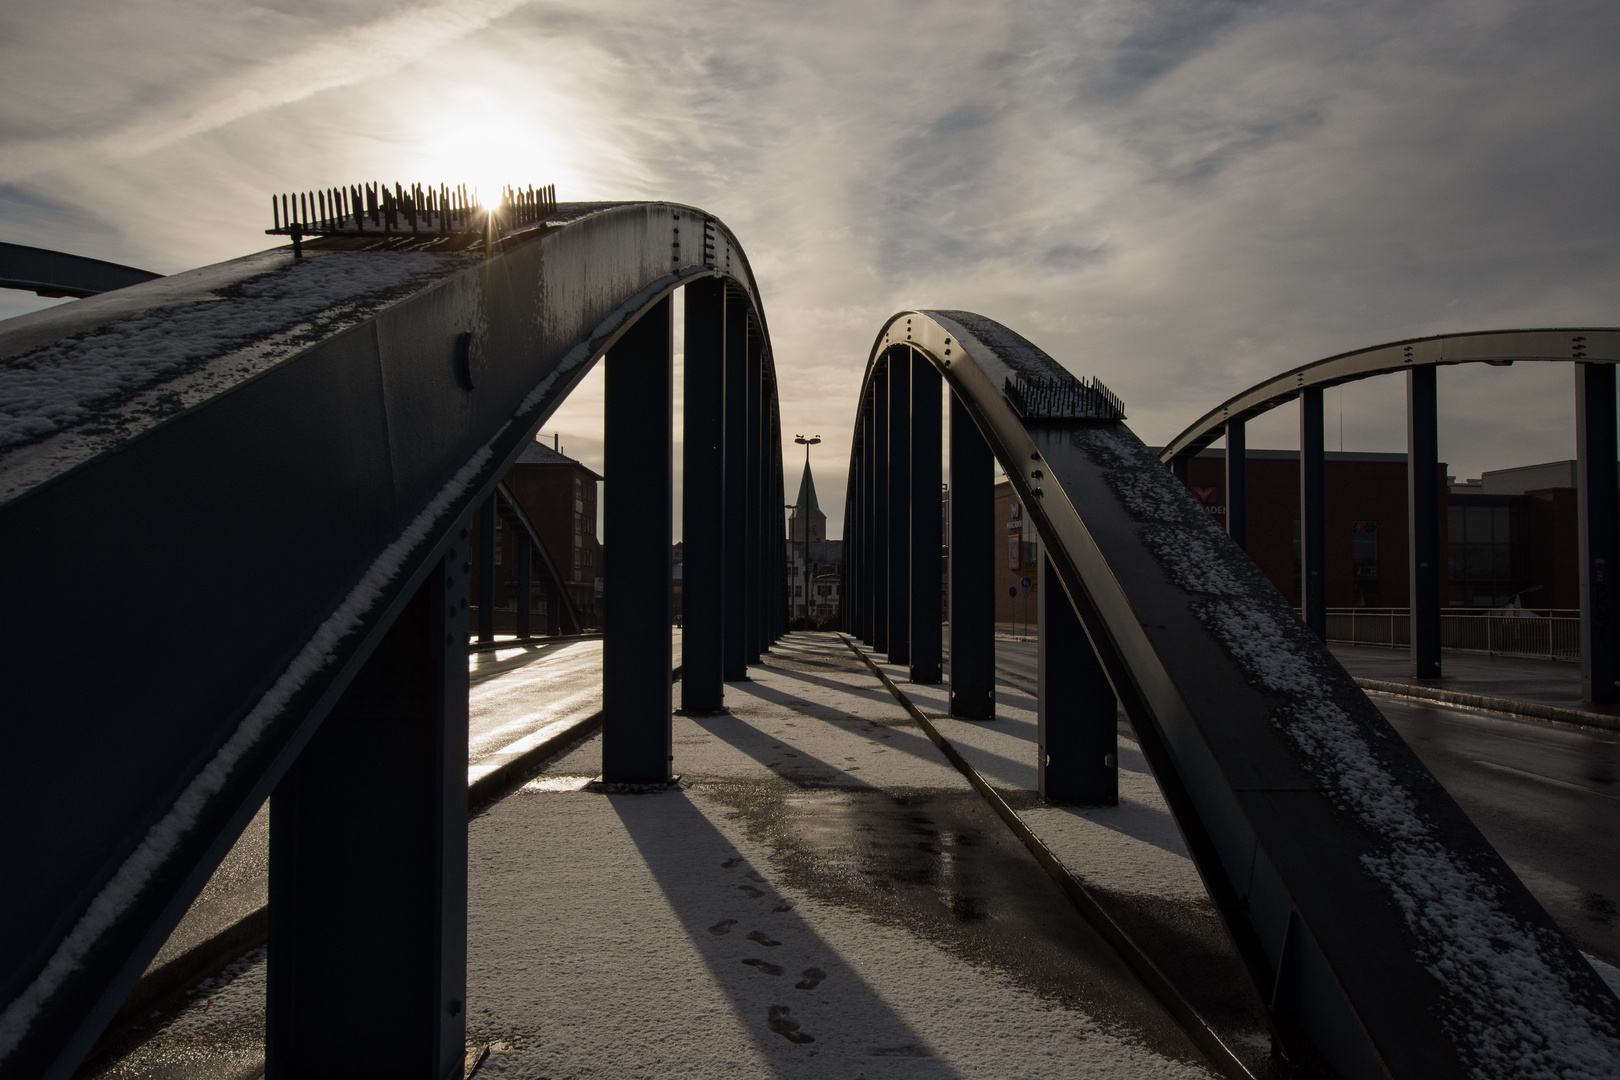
point(341, 58)
point(1179, 198)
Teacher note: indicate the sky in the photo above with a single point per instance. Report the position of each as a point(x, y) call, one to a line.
point(1178, 198)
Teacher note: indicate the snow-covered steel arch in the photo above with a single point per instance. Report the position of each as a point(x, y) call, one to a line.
point(1381, 932)
point(229, 497)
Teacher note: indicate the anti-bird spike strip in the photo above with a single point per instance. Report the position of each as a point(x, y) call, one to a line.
point(380, 209)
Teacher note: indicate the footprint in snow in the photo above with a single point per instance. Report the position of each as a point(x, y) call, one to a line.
point(722, 927)
point(776, 1017)
point(764, 965)
point(759, 936)
point(812, 979)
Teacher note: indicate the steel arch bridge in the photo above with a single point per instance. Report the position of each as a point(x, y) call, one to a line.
point(1380, 931)
point(264, 472)
point(1592, 351)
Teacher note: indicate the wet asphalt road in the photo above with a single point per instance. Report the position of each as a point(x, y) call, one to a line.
point(1546, 795)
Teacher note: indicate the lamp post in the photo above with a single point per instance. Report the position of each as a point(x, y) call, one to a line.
point(805, 498)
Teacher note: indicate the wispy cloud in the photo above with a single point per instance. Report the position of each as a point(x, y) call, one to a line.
point(1178, 197)
point(343, 57)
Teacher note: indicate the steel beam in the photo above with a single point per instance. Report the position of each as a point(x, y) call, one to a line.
point(900, 496)
point(881, 516)
point(56, 273)
point(1237, 483)
point(486, 570)
point(636, 642)
point(1596, 483)
point(926, 526)
point(1077, 754)
point(1178, 468)
point(368, 860)
point(734, 642)
point(1312, 511)
point(703, 499)
point(972, 584)
point(755, 464)
point(1423, 520)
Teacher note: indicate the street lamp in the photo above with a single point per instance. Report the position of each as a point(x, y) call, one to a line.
point(804, 493)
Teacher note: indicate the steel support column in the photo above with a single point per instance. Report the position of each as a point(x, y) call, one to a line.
point(864, 555)
point(636, 645)
point(703, 498)
point(972, 583)
point(899, 573)
point(1178, 467)
point(1237, 483)
point(368, 859)
point(754, 460)
point(486, 570)
point(1077, 758)
point(734, 623)
point(1596, 483)
point(880, 508)
point(1423, 519)
point(926, 526)
point(1312, 511)
point(525, 585)
point(849, 595)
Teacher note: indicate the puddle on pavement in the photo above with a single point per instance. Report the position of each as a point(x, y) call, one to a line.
point(942, 866)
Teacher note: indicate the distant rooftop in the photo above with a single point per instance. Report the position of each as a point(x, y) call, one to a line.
point(538, 453)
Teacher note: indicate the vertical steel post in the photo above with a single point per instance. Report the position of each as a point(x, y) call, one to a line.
point(1178, 467)
point(1237, 483)
point(734, 623)
point(756, 477)
point(1595, 493)
point(703, 498)
point(368, 857)
point(926, 526)
point(862, 554)
point(972, 584)
point(1077, 756)
point(525, 584)
point(554, 608)
point(880, 508)
point(1423, 519)
point(1312, 511)
point(849, 592)
point(869, 457)
point(636, 642)
point(486, 570)
point(900, 495)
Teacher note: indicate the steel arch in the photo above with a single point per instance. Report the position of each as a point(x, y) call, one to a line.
point(1595, 345)
point(1340, 867)
point(290, 483)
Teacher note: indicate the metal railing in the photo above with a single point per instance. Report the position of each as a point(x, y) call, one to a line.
point(1548, 633)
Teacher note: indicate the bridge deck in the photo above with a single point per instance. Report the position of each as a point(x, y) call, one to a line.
point(824, 895)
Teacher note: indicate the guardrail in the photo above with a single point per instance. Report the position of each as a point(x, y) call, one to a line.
point(1548, 633)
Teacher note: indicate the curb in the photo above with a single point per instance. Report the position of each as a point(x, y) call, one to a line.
point(1526, 709)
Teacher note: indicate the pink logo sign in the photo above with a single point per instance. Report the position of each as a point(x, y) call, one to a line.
point(1206, 495)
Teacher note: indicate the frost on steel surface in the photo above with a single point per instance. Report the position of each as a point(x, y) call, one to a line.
point(1510, 1007)
point(65, 401)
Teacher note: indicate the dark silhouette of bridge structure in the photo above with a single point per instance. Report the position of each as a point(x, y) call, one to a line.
point(334, 414)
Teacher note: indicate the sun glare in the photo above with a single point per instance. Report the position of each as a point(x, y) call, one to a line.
point(488, 148)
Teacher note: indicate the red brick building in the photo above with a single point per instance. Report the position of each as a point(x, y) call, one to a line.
point(559, 496)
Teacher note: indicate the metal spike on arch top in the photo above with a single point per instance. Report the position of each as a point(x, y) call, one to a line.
point(401, 210)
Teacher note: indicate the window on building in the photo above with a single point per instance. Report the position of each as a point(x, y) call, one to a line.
point(1486, 556)
point(1364, 563)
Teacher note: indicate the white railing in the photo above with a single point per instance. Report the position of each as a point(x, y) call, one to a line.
point(1549, 633)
